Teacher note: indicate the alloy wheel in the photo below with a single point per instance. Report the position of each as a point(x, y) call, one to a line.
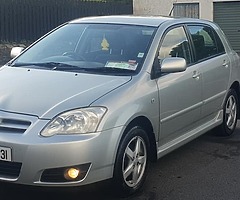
point(134, 161)
point(231, 112)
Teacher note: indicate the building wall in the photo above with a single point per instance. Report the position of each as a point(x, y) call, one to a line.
point(163, 7)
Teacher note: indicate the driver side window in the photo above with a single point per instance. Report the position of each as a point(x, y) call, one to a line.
point(175, 44)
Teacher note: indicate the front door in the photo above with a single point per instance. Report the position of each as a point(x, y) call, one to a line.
point(179, 93)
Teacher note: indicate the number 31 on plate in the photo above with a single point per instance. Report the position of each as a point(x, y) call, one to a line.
point(5, 154)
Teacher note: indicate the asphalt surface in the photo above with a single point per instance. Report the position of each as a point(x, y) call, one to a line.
point(208, 168)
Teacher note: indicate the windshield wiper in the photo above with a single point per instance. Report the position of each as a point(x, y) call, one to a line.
point(107, 69)
point(47, 65)
point(67, 67)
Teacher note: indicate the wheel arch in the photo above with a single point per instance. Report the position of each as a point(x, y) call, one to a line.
point(144, 123)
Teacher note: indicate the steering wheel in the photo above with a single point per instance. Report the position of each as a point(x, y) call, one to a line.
point(74, 55)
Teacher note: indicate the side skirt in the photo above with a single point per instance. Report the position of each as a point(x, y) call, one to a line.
point(190, 135)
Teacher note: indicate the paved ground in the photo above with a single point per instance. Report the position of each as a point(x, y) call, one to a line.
point(205, 169)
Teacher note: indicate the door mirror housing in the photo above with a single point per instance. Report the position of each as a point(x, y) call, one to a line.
point(173, 64)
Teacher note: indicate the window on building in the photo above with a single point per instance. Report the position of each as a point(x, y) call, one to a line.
point(186, 10)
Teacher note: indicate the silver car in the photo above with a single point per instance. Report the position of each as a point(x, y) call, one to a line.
point(99, 98)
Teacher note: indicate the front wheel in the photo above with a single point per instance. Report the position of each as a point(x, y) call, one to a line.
point(131, 162)
point(230, 111)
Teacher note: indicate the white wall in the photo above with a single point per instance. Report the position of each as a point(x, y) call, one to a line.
point(163, 7)
point(152, 7)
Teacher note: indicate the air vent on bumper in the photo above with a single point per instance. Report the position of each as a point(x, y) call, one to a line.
point(13, 126)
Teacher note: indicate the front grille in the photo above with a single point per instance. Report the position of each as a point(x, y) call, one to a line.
point(13, 125)
point(10, 169)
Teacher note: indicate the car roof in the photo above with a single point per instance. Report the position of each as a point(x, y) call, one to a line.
point(134, 20)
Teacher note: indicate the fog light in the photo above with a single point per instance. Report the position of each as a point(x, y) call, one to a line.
point(66, 174)
point(71, 173)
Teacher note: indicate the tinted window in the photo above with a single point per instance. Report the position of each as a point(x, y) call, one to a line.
point(175, 44)
point(220, 46)
point(204, 41)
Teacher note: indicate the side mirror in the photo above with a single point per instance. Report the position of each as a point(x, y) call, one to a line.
point(173, 64)
point(16, 51)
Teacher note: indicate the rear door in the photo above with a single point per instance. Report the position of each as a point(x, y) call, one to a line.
point(214, 66)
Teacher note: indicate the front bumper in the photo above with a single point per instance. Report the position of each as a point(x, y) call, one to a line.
point(36, 156)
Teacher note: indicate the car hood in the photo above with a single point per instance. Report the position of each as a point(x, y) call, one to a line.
point(45, 93)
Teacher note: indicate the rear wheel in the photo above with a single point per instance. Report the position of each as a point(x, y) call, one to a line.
point(132, 162)
point(230, 111)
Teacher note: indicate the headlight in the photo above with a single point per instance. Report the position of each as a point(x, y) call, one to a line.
point(77, 121)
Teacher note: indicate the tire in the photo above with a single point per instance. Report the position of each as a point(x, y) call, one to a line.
point(132, 162)
point(230, 115)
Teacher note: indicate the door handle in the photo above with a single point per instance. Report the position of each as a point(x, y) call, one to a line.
point(225, 63)
point(196, 75)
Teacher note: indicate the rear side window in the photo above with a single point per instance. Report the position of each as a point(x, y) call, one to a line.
point(206, 42)
point(219, 44)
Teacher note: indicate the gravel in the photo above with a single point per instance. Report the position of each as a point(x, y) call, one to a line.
point(5, 50)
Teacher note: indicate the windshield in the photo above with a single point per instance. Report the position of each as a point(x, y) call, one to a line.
point(90, 48)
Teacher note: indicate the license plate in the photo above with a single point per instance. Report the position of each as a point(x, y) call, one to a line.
point(5, 154)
